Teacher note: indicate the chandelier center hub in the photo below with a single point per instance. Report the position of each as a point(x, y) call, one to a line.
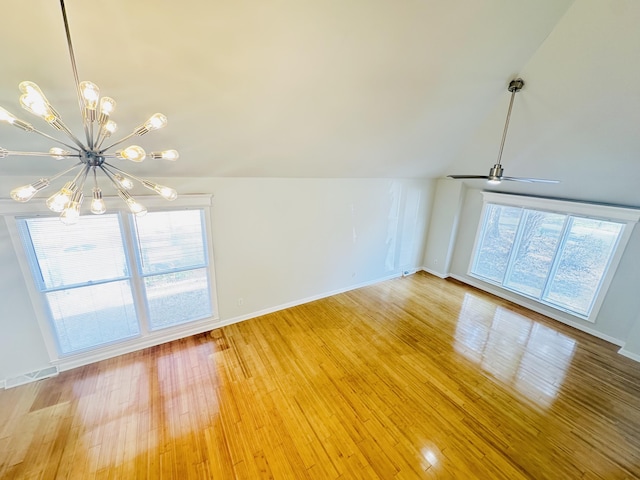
point(92, 158)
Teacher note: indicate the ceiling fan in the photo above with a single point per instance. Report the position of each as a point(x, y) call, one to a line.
point(496, 173)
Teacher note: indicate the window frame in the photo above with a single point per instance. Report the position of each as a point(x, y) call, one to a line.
point(12, 211)
point(624, 215)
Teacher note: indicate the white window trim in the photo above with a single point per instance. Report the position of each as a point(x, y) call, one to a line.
point(10, 209)
point(626, 215)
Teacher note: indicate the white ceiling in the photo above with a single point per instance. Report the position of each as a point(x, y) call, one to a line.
point(347, 88)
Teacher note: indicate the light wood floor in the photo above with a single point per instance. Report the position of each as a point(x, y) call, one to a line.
point(415, 377)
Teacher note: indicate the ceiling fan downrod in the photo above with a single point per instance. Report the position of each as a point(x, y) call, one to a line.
point(514, 87)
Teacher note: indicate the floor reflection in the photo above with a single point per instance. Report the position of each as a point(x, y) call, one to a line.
point(514, 349)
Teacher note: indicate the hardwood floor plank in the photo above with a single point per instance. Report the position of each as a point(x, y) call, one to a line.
point(415, 377)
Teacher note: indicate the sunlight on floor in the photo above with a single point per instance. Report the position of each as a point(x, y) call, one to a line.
point(513, 349)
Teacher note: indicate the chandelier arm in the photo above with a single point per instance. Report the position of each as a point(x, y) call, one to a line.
point(59, 125)
point(123, 172)
point(122, 140)
point(46, 135)
point(105, 169)
point(64, 172)
point(506, 126)
point(99, 139)
point(40, 154)
point(74, 67)
point(85, 173)
point(103, 134)
point(75, 179)
point(108, 174)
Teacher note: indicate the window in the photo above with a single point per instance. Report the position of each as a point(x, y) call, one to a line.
point(116, 277)
point(558, 253)
point(173, 263)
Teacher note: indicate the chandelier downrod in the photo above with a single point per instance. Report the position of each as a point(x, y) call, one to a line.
point(72, 56)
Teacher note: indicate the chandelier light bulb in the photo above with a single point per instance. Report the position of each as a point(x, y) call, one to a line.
point(9, 118)
point(124, 182)
point(167, 193)
point(26, 192)
point(59, 153)
point(133, 153)
point(98, 206)
point(33, 91)
point(90, 94)
point(58, 201)
point(37, 107)
point(494, 181)
point(135, 207)
point(5, 116)
point(71, 212)
point(107, 106)
point(109, 128)
point(156, 122)
point(171, 155)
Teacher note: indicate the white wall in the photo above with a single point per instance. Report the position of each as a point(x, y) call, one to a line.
point(617, 320)
point(443, 227)
point(276, 242)
point(631, 347)
point(22, 348)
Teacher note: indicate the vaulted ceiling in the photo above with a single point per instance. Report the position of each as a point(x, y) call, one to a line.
point(347, 88)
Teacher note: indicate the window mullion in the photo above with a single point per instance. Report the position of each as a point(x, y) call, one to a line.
point(137, 282)
point(566, 228)
point(515, 246)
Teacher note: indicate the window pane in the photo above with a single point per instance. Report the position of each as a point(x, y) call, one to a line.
point(532, 261)
point(498, 231)
point(88, 251)
point(585, 257)
point(176, 298)
point(170, 240)
point(90, 316)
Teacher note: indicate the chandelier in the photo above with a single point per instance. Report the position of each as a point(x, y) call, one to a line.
point(92, 156)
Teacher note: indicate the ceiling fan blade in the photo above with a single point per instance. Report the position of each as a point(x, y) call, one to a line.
point(459, 177)
point(530, 180)
point(510, 179)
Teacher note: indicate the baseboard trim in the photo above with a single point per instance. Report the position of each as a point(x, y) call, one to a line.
point(629, 354)
point(437, 274)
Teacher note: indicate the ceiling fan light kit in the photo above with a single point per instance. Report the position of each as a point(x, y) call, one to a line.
point(91, 155)
point(496, 173)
